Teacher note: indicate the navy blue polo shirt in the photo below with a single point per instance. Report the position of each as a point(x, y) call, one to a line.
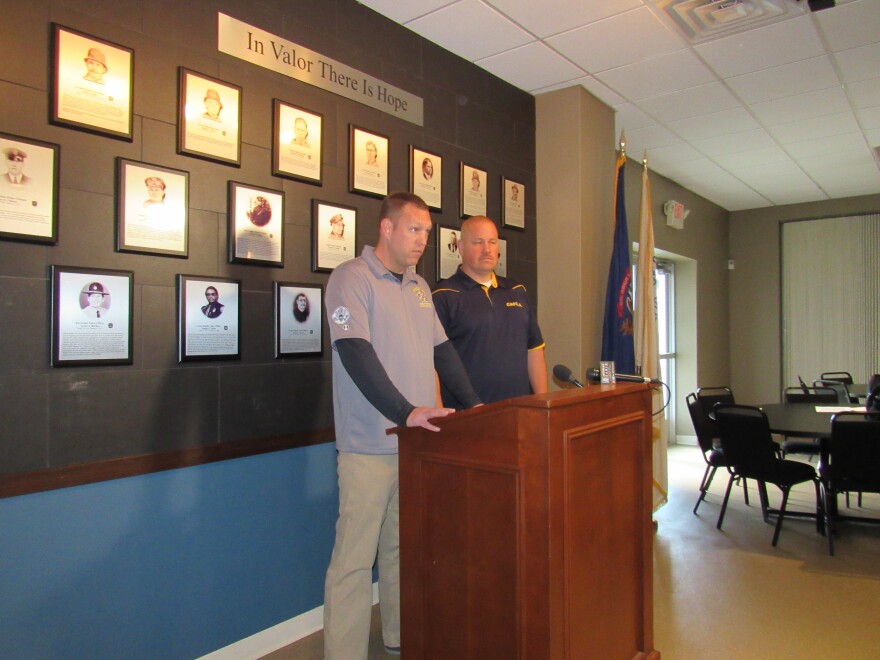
point(493, 329)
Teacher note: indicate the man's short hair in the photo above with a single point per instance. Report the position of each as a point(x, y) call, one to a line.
point(392, 206)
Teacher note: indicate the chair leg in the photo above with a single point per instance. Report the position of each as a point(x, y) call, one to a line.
point(704, 487)
point(745, 490)
point(829, 519)
point(724, 503)
point(781, 516)
point(820, 509)
point(765, 503)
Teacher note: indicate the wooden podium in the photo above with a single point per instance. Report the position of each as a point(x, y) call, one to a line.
point(525, 530)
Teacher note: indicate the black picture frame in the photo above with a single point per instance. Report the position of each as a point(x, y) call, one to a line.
point(91, 317)
point(298, 330)
point(152, 209)
point(328, 248)
point(29, 190)
point(98, 97)
point(208, 332)
point(296, 155)
point(255, 221)
point(208, 118)
point(368, 154)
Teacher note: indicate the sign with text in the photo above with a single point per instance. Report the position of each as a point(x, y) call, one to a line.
point(264, 49)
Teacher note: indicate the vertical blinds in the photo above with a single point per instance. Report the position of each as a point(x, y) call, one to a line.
point(831, 297)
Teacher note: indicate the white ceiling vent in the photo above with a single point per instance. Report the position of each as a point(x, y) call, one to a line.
point(702, 20)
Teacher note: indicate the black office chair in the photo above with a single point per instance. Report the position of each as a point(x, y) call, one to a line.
point(750, 451)
point(709, 396)
point(707, 437)
point(815, 395)
point(840, 376)
point(853, 463)
point(843, 397)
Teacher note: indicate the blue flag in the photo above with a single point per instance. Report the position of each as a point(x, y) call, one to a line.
point(617, 333)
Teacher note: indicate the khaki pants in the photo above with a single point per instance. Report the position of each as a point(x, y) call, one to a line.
point(368, 522)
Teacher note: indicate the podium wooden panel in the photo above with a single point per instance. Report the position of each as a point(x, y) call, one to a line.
point(525, 529)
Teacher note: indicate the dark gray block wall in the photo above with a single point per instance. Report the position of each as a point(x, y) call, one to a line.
point(53, 417)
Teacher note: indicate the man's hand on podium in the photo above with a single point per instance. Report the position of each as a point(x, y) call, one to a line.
point(421, 415)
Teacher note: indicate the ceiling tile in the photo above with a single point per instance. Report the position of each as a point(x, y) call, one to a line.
point(530, 66)
point(671, 154)
point(734, 142)
point(470, 29)
point(627, 114)
point(848, 143)
point(649, 137)
point(692, 102)
point(741, 160)
point(404, 11)
point(786, 80)
point(661, 75)
point(609, 43)
point(780, 43)
point(851, 24)
point(859, 63)
point(550, 17)
point(733, 120)
point(869, 118)
point(824, 126)
point(865, 94)
point(801, 106)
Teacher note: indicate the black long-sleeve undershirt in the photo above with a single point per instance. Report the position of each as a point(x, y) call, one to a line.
point(366, 371)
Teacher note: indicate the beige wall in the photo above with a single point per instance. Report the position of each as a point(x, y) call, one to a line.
point(755, 298)
point(575, 180)
point(576, 144)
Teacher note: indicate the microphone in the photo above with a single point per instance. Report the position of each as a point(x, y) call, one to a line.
point(564, 374)
point(593, 375)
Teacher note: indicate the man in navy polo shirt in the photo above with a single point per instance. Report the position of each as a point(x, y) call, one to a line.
point(387, 344)
point(490, 321)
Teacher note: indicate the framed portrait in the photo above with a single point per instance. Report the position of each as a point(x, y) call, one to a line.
point(448, 254)
point(152, 209)
point(368, 162)
point(256, 225)
point(472, 185)
point(334, 235)
point(28, 189)
point(298, 314)
point(513, 204)
point(426, 177)
point(91, 84)
point(501, 266)
point(209, 118)
point(91, 316)
point(298, 143)
point(209, 318)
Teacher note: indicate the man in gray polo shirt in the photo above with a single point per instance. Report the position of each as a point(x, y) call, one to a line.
point(387, 342)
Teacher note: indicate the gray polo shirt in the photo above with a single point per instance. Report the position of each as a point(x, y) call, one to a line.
point(365, 301)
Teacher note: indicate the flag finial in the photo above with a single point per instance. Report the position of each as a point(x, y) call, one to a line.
point(645, 159)
point(622, 143)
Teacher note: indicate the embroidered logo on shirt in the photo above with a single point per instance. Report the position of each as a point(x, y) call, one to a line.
point(424, 301)
point(514, 304)
point(340, 315)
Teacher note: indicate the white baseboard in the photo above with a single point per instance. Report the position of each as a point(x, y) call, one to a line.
point(276, 637)
point(686, 440)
